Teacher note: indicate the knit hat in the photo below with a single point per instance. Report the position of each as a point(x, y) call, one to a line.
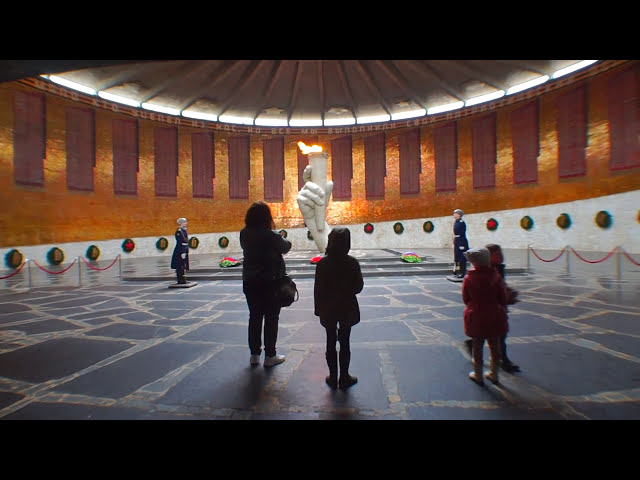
point(478, 256)
point(457, 210)
point(181, 220)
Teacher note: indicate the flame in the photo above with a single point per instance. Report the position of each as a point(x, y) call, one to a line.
point(307, 150)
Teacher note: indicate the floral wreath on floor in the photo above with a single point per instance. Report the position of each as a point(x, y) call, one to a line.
point(411, 257)
point(229, 262)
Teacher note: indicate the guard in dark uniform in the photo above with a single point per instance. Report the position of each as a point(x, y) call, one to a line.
point(180, 257)
point(460, 244)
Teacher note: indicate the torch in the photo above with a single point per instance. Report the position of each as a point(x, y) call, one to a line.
point(318, 162)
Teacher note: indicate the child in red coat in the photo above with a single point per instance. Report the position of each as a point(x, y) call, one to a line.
point(485, 314)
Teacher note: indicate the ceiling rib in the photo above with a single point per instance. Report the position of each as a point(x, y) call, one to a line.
point(185, 72)
point(294, 90)
point(273, 76)
point(478, 73)
point(250, 73)
point(216, 76)
point(426, 69)
point(353, 105)
point(372, 84)
point(400, 80)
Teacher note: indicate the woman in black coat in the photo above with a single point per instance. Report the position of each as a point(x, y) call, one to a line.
point(180, 257)
point(337, 281)
point(262, 265)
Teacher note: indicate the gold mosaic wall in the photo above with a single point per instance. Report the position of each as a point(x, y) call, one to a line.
point(50, 215)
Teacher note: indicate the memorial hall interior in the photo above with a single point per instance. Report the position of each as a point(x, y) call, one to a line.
point(99, 158)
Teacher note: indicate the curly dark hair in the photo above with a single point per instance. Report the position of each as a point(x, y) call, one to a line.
point(259, 216)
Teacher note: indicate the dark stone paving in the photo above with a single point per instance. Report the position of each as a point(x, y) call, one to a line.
point(141, 351)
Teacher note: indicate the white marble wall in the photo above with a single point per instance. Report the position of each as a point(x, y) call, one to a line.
point(584, 234)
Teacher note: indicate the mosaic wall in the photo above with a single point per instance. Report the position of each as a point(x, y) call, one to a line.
point(54, 215)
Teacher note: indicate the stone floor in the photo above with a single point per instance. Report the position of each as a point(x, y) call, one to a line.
point(98, 347)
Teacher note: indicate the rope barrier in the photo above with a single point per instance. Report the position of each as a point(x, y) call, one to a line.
point(100, 269)
point(543, 260)
point(628, 257)
point(594, 261)
point(55, 273)
point(16, 272)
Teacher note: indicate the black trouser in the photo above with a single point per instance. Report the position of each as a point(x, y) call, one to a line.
point(342, 335)
point(503, 346)
point(180, 273)
point(261, 303)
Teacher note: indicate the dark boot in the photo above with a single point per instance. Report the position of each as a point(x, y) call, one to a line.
point(463, 270)
point(346, 380)
point(508, 366)
point(332, 363)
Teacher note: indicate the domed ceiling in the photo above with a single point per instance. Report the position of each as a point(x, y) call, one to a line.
point(293, 92)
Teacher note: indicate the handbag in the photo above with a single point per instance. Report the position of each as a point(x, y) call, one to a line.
point(286, 291)
point(512, 296)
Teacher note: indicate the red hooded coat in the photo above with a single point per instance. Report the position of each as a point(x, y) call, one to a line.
point(485, 297)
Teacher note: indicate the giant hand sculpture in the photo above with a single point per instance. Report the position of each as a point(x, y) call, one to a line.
point(313, 199)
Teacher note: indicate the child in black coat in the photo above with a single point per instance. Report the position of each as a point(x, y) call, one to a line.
point(338, 279)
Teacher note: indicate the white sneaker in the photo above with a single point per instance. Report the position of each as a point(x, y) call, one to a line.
point(275, 360)
point(254, 360)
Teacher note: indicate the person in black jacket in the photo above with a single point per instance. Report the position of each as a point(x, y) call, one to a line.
point(338, 279)
point(262, 265)
point(180, 257)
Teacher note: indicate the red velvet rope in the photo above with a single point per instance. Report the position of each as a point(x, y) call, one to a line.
point(628, 257)
point(14, 273)
point(552, 260)
point(55, 273)
point(100, 269)
point(594, 261)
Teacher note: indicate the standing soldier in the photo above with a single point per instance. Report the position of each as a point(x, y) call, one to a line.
point(180, 258)
point(460, 245)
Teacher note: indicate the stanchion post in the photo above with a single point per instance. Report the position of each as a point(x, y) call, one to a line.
point(618, 266)
point(28, 273)
point(79, 271)
point(528, 259)
point(567, 248)
point(120, 265)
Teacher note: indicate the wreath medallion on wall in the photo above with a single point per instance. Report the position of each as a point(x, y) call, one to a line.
point(223, 242)
point(55, 256)
point(492, 224)
point(162, 243)
point(283, 233)
point(128, 245)
point(428, 226)
point(603, 219)
point(368, 228)
point(398, 228)
point(13, 258)
point(526, 222)
point(563, 221)
point(194, 242)
point(92, 253)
